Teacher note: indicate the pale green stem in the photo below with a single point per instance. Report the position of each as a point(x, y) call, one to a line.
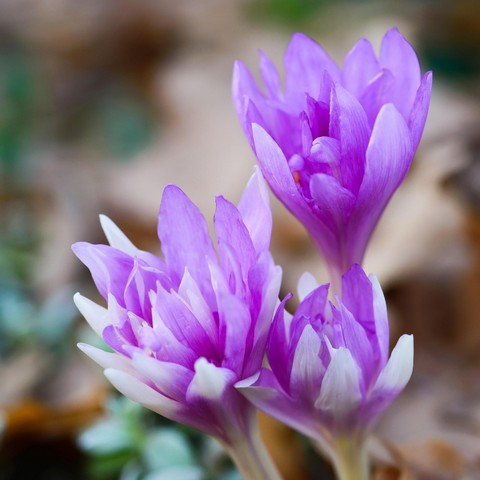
point(351, 459)
point(251, 457)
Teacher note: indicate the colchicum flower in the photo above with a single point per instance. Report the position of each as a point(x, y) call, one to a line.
point(186, 328)
point(335, 144)
point(329, 374)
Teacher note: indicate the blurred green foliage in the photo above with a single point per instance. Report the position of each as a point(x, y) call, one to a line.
point(132, 443)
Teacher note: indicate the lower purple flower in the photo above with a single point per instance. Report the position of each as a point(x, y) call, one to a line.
point(330, 376)
point(186, 328)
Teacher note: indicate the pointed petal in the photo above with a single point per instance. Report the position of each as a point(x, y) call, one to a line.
point(334, 202)
point(110, 268)
point(359, 67)
point(304, 62)
point(418, 114)
point(306, 284)
point(171, 379)
point(235, 331)
point(389, 155)
point(96, 316)
point(106, 359)
point(357, 342)
point(357, 296)
point(139, 392)
point(349, 125)
point(377, 93)
point(340, 393)
point(382, 333)
point(307, 368)
point(190, 293)
point(209, 381)
point(231, 231)
point(116, 238)
point(398, 56)
point(398, 370)
point(185, 240)
point(270, 76)
point(254, 206)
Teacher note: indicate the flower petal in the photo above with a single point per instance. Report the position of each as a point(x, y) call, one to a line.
point(388, 158)
point(359, 67)
point(349, 125)
point(340, 394)
point(183, 232)
point(116, 238)
point(110, 268)
point(418, 114)
point(398, 370)
point(306, 284)
point(254, 207)
point(139, 392)
point(305, 61)
point(232, 232)
point(171, 379)
point(398, 56)
point(96, 316)
point(107, 359)
point(209, 381)
point(307, 368)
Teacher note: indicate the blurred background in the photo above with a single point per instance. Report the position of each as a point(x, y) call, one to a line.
point(104, 103)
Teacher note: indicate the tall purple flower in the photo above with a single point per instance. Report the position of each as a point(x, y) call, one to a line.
point(329, 374)
point(186, 328)
point(334, 144)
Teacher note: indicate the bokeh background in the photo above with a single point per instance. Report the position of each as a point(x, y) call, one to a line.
point(104, 103)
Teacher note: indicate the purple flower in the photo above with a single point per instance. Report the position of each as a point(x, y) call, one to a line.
point(185, 328)
point(334, 144)
point(329, 374)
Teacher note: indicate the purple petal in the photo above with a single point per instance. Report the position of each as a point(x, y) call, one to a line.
point(110, 268)
point(278, 346)
point(357, 296)
point(388, 157)
point(171, 379)
point(270, 76)
point(335, 203)
point(307, 368)
point(349, 125)
point(254, 207)
point(139, 392)
point(266, 394)
point(234, 331)
point(340, 394)
point(391, 381)
point(305, 61)
point(190, 293)
point(176, 316)
point(382, 333)
point(376, 94)
point(398, 56)
point(183, 232)
point(231, 231)
point(359, 67)
point(357, 342)
point(419, 112)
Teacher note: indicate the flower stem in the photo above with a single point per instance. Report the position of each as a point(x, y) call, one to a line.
point(351, 459)
point(251, 457)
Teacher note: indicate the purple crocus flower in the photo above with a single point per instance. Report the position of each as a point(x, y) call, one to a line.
point(329, 373)
point(334, 144)
point(186, 328)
